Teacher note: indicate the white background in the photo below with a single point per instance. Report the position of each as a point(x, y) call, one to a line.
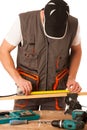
point(9, 9)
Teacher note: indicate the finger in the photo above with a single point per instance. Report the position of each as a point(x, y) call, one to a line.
point(71, 88)
point(70, 85)
point(76, 88)
point(79, 90)
point(28, 88)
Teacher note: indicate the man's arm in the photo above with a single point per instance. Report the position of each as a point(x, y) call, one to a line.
point(76, 53)
point(8, 63)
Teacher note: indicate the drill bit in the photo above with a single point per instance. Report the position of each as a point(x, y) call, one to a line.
point(42, 121)
point(18, 122)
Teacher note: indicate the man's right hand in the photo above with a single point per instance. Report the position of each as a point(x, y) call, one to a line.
point(24, 85)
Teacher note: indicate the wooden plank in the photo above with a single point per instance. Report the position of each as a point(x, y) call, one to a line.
point(42, 94)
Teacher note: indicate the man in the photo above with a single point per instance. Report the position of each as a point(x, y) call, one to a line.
point(49, 53)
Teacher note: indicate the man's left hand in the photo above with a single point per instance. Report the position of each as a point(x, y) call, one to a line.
point(73, 86)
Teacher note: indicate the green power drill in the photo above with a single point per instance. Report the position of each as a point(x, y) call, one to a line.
point(79, 115)
point(68, 124)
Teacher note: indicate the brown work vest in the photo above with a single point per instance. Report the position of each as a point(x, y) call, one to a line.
point(43, 58)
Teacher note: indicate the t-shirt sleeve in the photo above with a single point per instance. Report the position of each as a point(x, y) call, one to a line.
point(77, 38)
point(14, 36)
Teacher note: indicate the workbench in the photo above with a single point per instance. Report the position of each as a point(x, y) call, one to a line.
point(36, 125)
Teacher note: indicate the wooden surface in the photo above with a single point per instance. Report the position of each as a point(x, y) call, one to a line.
point(36, 125)
point(45, 94)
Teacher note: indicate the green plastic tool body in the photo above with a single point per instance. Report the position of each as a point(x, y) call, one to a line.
point(19, 115)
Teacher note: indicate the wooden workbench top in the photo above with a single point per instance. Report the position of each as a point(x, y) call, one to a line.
point(36, 125)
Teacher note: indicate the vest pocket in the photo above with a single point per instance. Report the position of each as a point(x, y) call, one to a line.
point(30, 61)
point(59, 77)
point(33, 78)
point(27, 57)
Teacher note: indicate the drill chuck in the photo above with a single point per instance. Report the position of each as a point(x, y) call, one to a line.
point(57, 123)
point(68, 124)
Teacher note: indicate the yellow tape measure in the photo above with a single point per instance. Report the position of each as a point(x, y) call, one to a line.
point(49, 92)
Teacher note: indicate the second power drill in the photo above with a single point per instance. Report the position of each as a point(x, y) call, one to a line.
point(79, 119)
point(68, 124)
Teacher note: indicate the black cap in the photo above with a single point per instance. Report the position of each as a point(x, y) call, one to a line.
point(55, 18)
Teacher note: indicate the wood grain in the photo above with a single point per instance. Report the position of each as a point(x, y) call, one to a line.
point(45, 94)
point(36, 125)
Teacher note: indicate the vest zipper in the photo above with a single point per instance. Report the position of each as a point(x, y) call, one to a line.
point(47, 56)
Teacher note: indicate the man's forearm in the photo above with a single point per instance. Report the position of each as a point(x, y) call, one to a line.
point(75, 62)
point(7, 61)
point(72, 84)
point(8, 64)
